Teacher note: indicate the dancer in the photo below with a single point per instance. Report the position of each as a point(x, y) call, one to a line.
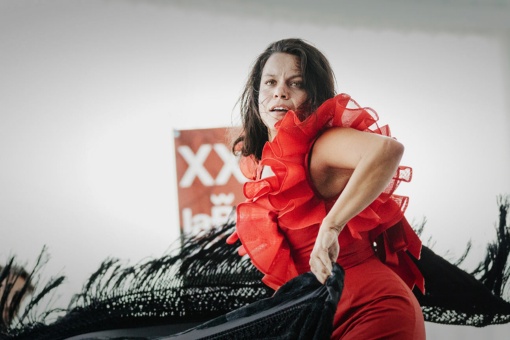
point(323, 176)
point(321, 191)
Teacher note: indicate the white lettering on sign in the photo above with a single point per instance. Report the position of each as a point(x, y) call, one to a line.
point(220, 212)
point(230, 166)
point(196, 167)
point(194, 224)
point(226, 199)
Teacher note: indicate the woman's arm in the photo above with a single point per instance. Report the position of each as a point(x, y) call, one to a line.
point(359, 166)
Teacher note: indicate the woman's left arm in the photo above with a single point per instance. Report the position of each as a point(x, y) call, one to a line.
point(371, 160)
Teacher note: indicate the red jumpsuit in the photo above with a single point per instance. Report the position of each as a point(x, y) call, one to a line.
point(278, 225)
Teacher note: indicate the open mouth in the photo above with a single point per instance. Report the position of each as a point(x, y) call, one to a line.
point(279, 109)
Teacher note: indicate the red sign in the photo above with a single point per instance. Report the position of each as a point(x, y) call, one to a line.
point(209, 180)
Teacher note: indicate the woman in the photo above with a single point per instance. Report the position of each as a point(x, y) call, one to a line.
point(323, 175)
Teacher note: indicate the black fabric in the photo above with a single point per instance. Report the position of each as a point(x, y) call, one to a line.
point(301, 309)
point(456, 297)
point(452, 296)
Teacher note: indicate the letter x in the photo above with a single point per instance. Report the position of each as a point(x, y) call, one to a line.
point(195, 165)
point(230, 165)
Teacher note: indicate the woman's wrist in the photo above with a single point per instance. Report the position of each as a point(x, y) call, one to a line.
point(331, 224)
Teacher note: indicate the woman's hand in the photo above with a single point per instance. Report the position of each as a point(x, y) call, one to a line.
point(325, 251)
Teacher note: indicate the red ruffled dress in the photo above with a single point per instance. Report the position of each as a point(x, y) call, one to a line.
point(279, 222)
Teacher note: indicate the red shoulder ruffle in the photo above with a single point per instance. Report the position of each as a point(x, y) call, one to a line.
point(288, 200)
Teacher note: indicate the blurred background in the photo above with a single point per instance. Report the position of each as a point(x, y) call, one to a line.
point(91, 91)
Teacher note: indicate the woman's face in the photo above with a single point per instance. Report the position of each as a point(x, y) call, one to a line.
point(281, 89)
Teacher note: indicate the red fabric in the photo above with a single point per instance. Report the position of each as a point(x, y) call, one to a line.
point(382, 307)
point(279, 221)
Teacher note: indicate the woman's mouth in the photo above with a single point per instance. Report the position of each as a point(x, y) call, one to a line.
point(279, 109)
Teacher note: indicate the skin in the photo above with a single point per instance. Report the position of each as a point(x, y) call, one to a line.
point(357, 174)
point(281, 89)
point(17, 287)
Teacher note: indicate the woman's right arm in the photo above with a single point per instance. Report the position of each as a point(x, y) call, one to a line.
point(357, 166)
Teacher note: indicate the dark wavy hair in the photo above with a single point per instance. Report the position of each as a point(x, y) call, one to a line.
point(318, 81)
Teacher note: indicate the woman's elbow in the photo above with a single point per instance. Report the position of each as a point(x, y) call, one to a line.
point(393, 149)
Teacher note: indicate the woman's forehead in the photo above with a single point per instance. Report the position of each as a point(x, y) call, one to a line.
point(279, 62)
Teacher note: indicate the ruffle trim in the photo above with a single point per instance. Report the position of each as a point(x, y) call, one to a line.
point(288, 199)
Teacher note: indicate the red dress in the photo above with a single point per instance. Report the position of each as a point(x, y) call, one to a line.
point(278, 225)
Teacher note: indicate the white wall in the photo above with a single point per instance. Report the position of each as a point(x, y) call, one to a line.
point(90, 92)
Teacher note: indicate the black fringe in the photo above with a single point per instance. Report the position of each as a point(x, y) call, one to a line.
point(302, 309)
point(196, 281)
point(456, 297)
point(204, 278)
point(495, 270)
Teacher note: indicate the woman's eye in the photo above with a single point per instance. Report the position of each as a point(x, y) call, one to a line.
point(298, 84)
point(270, 82)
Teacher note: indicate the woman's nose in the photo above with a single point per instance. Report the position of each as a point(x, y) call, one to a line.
point(281, 91)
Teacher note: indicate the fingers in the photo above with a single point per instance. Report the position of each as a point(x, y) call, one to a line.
point(233, 238)
point(324, 254)
point(321, 264)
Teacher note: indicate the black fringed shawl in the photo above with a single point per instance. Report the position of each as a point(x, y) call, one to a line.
point(207, 279)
